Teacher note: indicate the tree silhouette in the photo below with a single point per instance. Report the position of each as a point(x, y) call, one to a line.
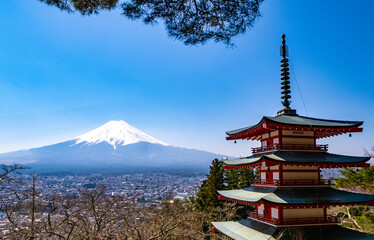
point(192, 21)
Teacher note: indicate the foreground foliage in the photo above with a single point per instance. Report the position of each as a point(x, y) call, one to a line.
point(191, 21)
point(98, 215)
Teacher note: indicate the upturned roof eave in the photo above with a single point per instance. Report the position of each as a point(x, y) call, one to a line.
point(350, 124)
point(259, 159)
point(297, 196)
point(353, 123)
point(244, 129)
point(245, 229)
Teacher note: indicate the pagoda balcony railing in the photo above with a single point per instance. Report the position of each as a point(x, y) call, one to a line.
point(295, 182)
point(295, 147)
point(292, 221)
point(315, 220)
point(260, 217)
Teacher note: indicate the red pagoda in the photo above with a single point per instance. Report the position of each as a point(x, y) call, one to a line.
point(290, 193)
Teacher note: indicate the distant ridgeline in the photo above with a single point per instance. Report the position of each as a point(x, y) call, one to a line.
point(115, 146)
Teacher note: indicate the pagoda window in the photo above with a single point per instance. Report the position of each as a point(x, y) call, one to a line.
point(276, 175)
point(265, 135)
point(264, 143)
point(263, 175)
point(260, 209)
point(275, 213)
point(275, 141)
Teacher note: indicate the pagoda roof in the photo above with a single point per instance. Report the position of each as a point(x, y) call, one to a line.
point(284, 120)
point(245, 229)
point(248, 229)
point(296, 196)
point(295, 157)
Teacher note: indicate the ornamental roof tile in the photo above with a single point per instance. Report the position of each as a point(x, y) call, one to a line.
point(302, 196)
point(298, 157)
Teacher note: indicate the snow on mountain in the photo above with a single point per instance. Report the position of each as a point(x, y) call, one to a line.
point(116, 133)
point(115, 145)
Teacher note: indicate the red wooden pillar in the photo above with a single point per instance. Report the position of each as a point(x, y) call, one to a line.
point(266, 210)
point(280, 214)
point(315, 140)
point(281, 174)
point(325, 213)
point(319, 175)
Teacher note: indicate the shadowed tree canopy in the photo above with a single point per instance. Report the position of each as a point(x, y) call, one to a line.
point(191, 21)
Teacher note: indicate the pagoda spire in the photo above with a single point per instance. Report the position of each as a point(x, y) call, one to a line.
point(285, 80)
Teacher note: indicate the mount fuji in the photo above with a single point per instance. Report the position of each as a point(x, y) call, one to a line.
point(115, 145)
point(117, 133)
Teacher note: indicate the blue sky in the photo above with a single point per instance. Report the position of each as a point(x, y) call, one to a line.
point(62, 75)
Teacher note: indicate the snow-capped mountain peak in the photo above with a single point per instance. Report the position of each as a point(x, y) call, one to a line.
point(116, 133)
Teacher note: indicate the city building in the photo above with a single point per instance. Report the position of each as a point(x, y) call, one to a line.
point(290, 197)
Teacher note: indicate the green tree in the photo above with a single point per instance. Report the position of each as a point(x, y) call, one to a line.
point(231, 179)
point(238, 178)
point(245, 177)
point(361, 180)
point(207, 197)
point(191, 21)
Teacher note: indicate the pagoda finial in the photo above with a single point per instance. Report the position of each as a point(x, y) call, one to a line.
point(285, 80)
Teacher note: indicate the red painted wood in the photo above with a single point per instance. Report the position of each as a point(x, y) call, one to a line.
point(325, 211)
point(319, 175)
point(291, 170)
point(296, 182)
point(280, 213)
point(264, 218)
point(292, 221)
point(215, 230)
point(299, 147)
point(320, 165)
point(281, 173)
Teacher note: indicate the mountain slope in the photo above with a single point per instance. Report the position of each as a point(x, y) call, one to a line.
point(115, 144)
